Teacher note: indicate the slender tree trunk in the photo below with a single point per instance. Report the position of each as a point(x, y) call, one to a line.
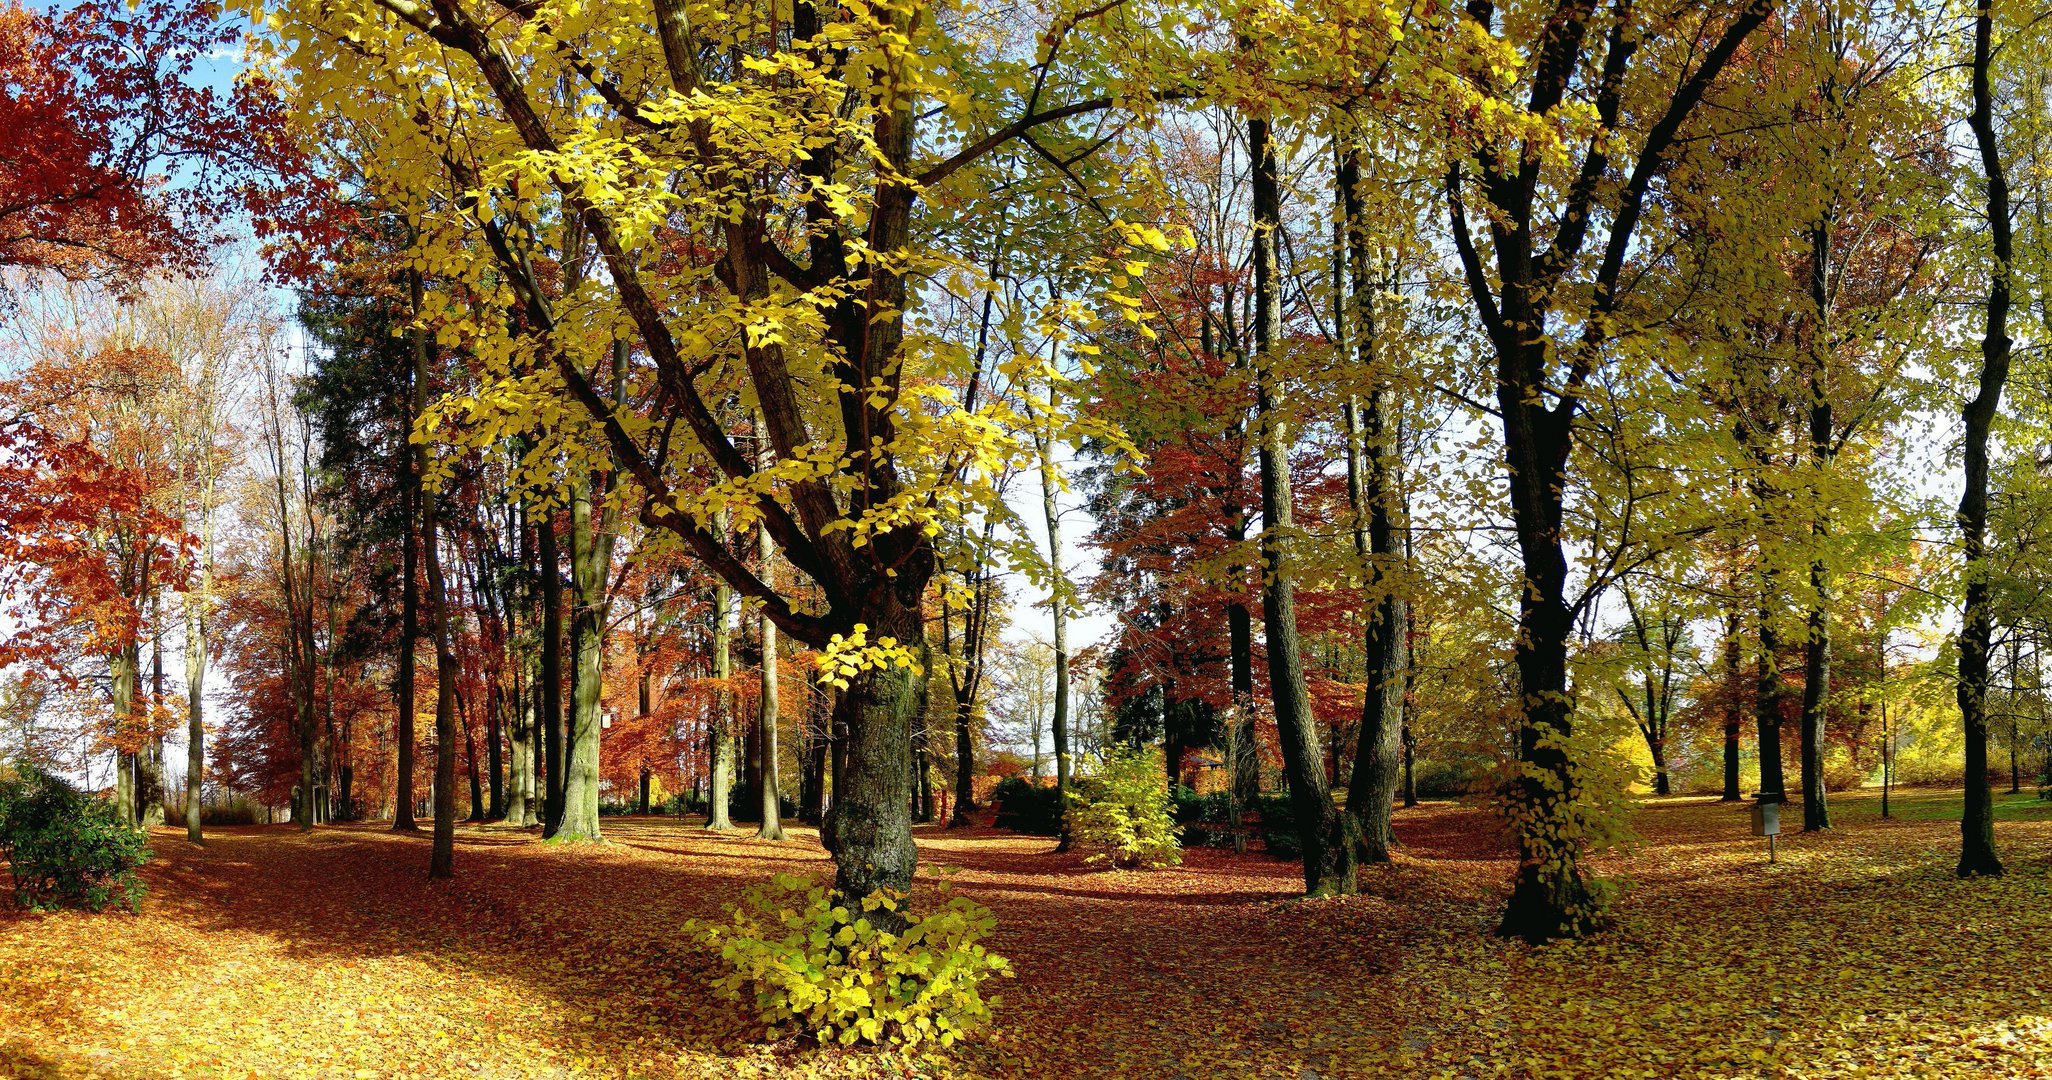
point(769, 709)
point(410, 465)
point(495, 759)
point(1329, 849)
point(1817, 646)
point(122, 666)
point(1734, 713)
point(1057, 609)
point(721, 732)
point(550, 675)
point(1767, 697)
point(477, 804)
point(1245, 749)
point(1977, 821)
point(195, 687)
point(447, 672)
point(149, 781)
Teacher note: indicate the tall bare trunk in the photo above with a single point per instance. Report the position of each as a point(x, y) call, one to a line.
point(721, 732)
point(1329, 847)
point(768, 709)
point(447, 672)
point(1977, 820)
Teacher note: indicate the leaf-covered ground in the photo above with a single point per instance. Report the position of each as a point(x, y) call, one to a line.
point(271, 954)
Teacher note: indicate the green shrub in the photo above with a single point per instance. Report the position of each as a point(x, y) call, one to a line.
point(1027, 807)
point(66, 848)
point(1279, 827)
point(1207, 820)
point(1120, 814)
point(815, 963)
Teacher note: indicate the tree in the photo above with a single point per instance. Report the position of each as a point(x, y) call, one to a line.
point(1544, 358)
point(850, 521)
point(1977, 819)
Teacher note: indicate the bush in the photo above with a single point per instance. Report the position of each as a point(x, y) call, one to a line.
point(1120, 814)
point(1279, 827)
point(818, 964)
point(1207, 820)
point(236, 811)
point(66, 848)
point(1027, 807)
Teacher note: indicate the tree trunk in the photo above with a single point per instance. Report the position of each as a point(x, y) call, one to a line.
point(1057, 609)
point(1371, 492)
point(195, 690)
point(149, 777)
point(1977, 820)
point(447, 672)
point(1734, 713)
point(769, 709)
point(549, 678)
point(1817, 646)
point(122, 666)
point(1329, 849)
point(477, 806)
point(1245, 751)
point(495, 755)
point(869, 828)
point(409, 589)
point(1768, 691)
point(721, 732)
point(591, 559)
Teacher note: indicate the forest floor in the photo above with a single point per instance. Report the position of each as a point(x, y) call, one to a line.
point(268, 953)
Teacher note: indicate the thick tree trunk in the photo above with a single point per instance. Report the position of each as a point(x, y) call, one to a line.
point(591, 560)
point(1977, 821)
point(869, 827)
point(1328, 843)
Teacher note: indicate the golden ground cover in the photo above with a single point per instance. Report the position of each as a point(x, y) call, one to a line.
point(272, 954)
